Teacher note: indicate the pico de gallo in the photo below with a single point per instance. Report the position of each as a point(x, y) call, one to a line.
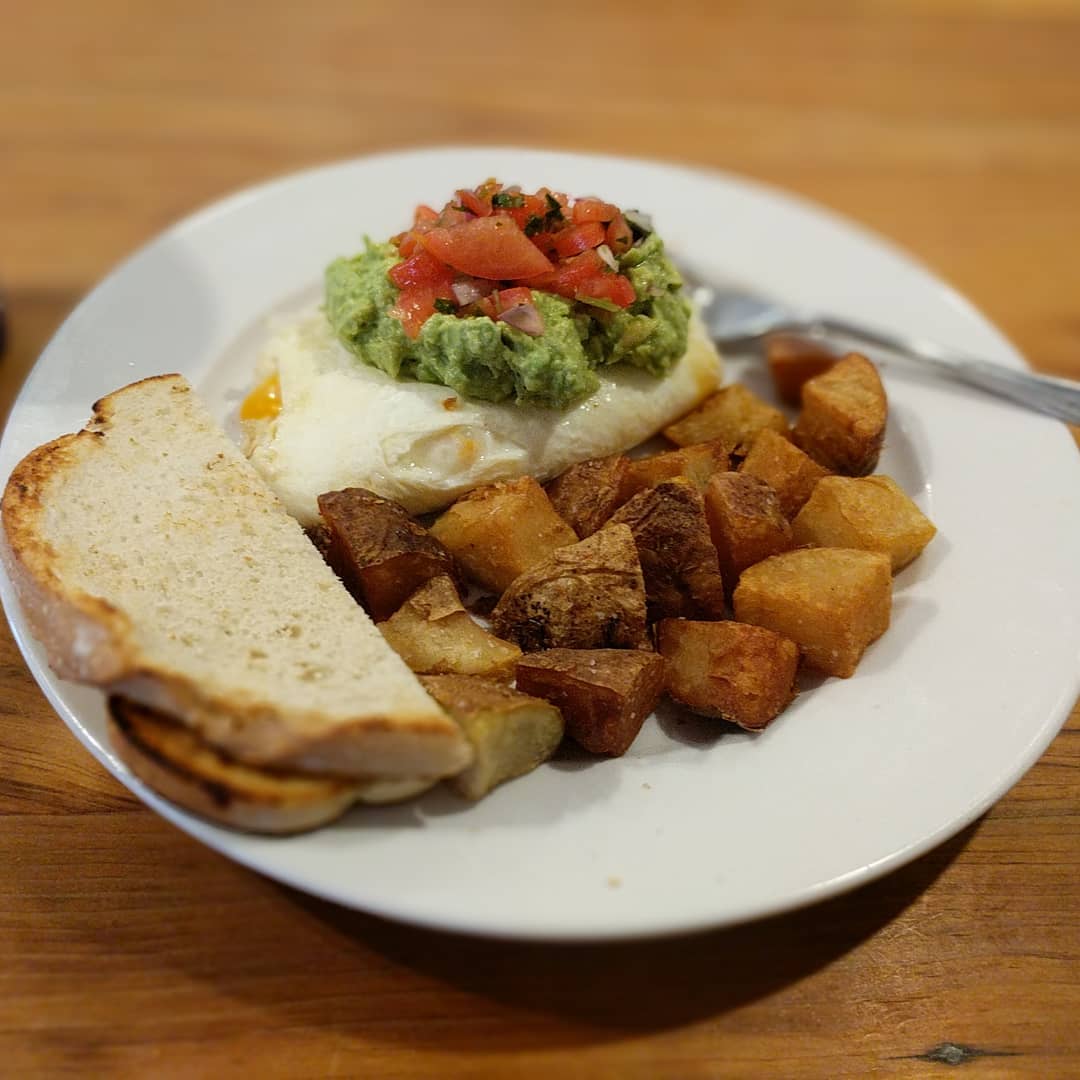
point(504, 294)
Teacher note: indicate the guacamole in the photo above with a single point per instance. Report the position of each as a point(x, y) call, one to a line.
point(492, 361)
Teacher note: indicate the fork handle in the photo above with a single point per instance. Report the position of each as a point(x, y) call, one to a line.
point(1059, 398)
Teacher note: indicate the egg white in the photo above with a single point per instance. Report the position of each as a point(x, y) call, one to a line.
point(344, 424)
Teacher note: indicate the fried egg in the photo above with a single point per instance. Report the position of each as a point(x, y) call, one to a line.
point(331, 422)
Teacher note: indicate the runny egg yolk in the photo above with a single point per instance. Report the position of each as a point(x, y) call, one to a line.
point(264, 402)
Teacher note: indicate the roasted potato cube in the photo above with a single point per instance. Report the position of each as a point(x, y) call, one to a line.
point(733, 414)
point(844, 411)
point(741, 673)
point(499, 531)
point(696, 463)
point(604, 695)
point(590, 595)
point(587, 494)
point(832, 602)
point(378, 551)
point(678, 559)
point(746, 523)
point(785, 468)
point(510, 732)
point(794, 360)
point(434, 634)
point(870, 512)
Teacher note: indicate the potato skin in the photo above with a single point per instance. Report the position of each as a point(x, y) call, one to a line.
point(678, 559)
point(434, 634)
point(792, 474)
point(870, 512)
point(746, 523)
point(734, 414)
point(587, 494)
point(511, 733)
point(843, 417)
point(499, 531)
point(832, 602)
point(589, 595)
point(378, 551)
point(604, 695)
point(737, 672)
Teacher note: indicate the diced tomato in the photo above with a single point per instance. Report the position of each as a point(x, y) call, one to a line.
point(425, 215)
point(613, 287)
point(619, 237)
point(474, 204)
point(421, 269)
point(508, 298)
point(567, 276)
point(493, 247)
point(533, 207)
point(593, 210)
point(416, 304)
point(450, 217)
point(579, 238)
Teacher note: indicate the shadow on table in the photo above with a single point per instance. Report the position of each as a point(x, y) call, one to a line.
point(641, 986)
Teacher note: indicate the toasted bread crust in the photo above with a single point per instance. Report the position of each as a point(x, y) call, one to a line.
point(89, 640)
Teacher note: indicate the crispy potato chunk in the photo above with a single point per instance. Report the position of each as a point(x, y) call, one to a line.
point(696, 463)
point(733, 414)
point(844, 411)
point(794, 360)
point(590, 595)
point(832, 602)
point(741, 673)
point(499, 531)
point(604, 694)
point(510, 732)
point(870, 512)
point(378, 551)
point(588, 493)
point(434, 634)
point(746, 523)
point(785, 468)
point(678, 559)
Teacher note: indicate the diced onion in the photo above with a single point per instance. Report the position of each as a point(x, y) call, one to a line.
point(608, 257)
point(524, 317)
point(469, 290)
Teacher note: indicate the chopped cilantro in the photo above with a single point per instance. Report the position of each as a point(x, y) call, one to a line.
point(507, 200)
point(445, 307)
point(534, 225)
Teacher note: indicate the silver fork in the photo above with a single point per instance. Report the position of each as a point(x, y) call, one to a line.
point(739, 318)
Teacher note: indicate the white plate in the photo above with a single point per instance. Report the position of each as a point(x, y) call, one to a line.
point(699, 825)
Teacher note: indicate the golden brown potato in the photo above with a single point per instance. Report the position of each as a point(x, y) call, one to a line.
point(785, 468)
point(587, 494)
point(843, 417)
point(590, 595)
point(794, 360)
point(435, 635)
point(510, 732)
point(696, 463)
point(378, 551)
point(678, 559)
point(832, 602)
point(741, 673)
point(604, 694)
point(746, 523)
point(733, 414)
point(499, 531)
point(870, 512)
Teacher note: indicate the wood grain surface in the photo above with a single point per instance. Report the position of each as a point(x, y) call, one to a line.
point(951, 126)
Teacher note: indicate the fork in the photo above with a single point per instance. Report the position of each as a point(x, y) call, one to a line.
point(738, 318)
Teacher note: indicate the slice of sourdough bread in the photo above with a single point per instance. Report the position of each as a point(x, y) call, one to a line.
point(152, 560)
point(176, 763)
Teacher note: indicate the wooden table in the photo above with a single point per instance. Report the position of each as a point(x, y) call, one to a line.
point(952, 126)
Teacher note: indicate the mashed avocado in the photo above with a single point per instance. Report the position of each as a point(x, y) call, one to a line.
point(492, 361)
